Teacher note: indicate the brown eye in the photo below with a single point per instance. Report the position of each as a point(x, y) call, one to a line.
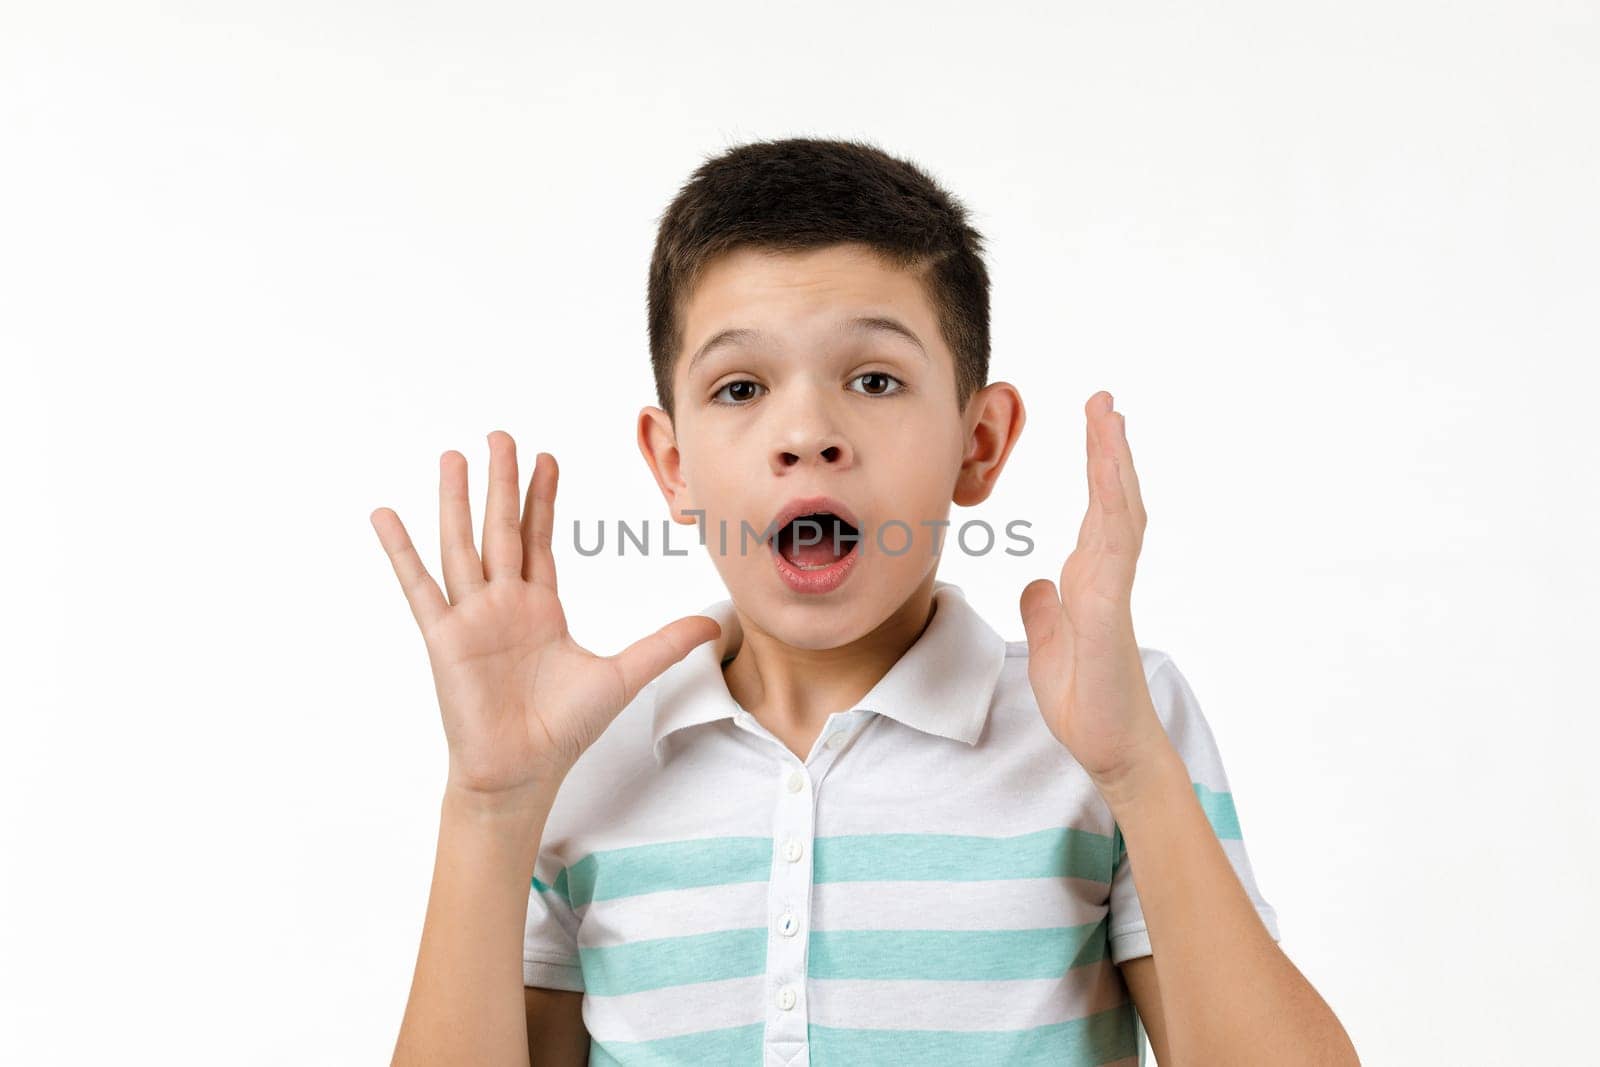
point(879, 383)
point(747, 393)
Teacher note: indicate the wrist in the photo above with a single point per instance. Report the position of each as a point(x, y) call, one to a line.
point(519, 806)
point(1153, 771)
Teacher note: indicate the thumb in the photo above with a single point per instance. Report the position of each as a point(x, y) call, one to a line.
point(649, 656)
point(1041, 612)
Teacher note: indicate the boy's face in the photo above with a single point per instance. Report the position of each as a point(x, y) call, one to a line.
point(805, 401)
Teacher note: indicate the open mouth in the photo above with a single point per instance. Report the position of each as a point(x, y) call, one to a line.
point(816, 541)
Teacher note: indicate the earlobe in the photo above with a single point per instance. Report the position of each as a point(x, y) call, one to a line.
point(996, 419)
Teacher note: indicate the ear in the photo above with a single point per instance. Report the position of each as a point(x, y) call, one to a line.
point(658, 443)
point(994, 419)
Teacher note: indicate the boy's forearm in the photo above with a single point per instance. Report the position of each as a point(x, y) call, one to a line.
point(466, 1004)
point(1228, 993)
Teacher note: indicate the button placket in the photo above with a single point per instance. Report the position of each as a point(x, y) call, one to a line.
point(789, 901)
point(789, 894)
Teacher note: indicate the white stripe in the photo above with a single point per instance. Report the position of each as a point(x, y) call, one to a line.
point(994, 904)
point(677, 1010)
point(672, 913)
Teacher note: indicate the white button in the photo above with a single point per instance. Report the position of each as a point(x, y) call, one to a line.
point(786, 997)
point(797, 781)
point(792, 850)
point(788, 924)
point(837, 738)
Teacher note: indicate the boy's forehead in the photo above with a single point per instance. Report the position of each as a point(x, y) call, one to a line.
point(828, 288)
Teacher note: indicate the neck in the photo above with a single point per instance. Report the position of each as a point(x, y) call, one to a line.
point(792, 691)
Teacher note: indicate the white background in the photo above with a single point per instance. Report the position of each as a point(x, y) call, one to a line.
point(261, 264)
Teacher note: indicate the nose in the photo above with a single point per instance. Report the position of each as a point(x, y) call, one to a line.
point(827, 455)
point(816, 443)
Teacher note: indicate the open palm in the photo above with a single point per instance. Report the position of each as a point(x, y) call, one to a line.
point(520, 699)
point(1083, 660)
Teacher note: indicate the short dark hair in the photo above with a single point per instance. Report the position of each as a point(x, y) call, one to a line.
point(802, 193)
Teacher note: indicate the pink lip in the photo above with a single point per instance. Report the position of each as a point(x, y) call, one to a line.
point(808, 505)
point(823, 579)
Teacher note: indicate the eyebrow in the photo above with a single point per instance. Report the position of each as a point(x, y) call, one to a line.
point(738, 335)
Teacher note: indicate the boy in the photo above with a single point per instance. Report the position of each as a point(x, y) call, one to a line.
point(835, 818)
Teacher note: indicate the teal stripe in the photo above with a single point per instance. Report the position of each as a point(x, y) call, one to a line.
point(739, 1044)
point(668, 961)
point(956, 955)
point(1099, 1038)
point(687, 864)
point(1058, 852)
point(1219, 811)
point(559, 889)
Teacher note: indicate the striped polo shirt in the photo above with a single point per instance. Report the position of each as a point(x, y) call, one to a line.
point(938, 882)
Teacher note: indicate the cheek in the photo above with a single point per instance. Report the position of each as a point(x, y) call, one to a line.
point(727, 496)
point(933, 452)
point(923, 494)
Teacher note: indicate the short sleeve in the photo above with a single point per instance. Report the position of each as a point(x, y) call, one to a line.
point(1190, 734)
point(550, 938)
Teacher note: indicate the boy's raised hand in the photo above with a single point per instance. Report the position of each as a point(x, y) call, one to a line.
point(521, 700)
point(1083, 661)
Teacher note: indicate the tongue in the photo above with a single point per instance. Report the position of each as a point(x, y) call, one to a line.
point(820, 553)
point(811, 543)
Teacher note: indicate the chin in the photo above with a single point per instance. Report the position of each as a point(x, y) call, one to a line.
point(847, 614)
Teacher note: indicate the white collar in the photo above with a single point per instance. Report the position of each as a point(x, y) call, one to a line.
point(942, 685)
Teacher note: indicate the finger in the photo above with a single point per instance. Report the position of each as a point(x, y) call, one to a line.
point(1091, 408)
point(538, 522)
point(1118, 541)
point(1088, 530)
point(502, 532)
point(462, 570)
point(1091, 536)
point(1109, 493)
point(1125, 470)
point(649, 656)
point(1040, 608)
point(422, 592)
